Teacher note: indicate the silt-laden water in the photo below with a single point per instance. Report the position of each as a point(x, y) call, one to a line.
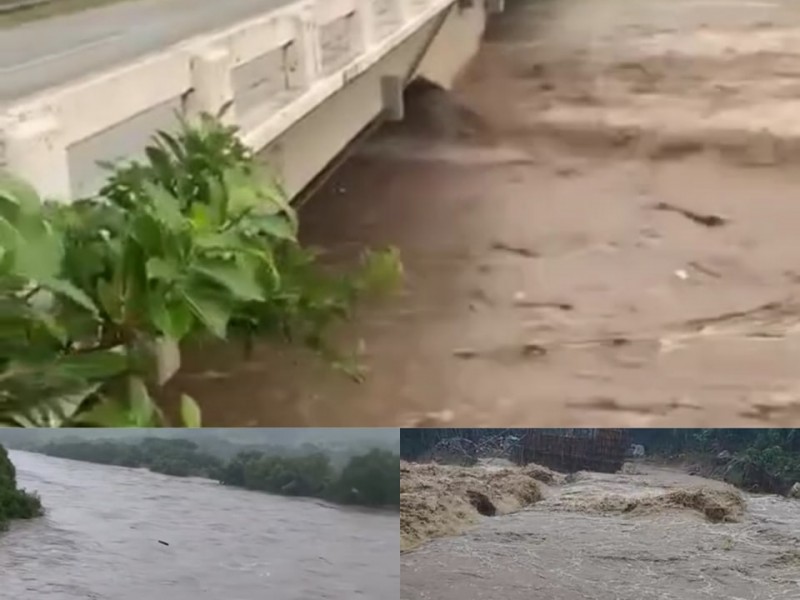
point(99, 540)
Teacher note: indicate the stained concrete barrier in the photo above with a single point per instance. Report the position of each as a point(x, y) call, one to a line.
point(300, 82)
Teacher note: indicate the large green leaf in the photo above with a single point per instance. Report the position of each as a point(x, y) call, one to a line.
point(56, 410)
point(161, 163)
point(93, 365)
point(163, 270)
point(65, 288)
point(109, 295)
point(218, 240)
point(8, 235)
point(39, 251)
point(142, 409)
point(217, 200)
point(145, 229)
point(203, 218)
point(135, 284)
point(190, 412)
point(272, 191)
point(237, 276)
point(115, 412)
point(17, 198)
point(276, 226)
point(166, 207)
point(243, 192)
point(210, 309)
point(171, 317)
point(168, 142)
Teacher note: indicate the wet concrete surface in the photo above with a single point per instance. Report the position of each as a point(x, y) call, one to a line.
point(599, 227)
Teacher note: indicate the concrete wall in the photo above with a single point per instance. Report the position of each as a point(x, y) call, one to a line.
point(301, 82)
point(438, 50)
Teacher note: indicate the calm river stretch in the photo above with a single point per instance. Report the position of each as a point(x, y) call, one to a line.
point(104, 533)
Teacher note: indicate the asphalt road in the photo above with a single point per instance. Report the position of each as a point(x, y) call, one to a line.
point(47, 53)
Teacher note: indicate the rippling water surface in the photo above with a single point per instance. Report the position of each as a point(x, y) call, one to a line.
point(100, 541)
point(569, 547)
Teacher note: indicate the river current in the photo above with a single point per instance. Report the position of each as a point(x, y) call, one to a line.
point(127, 534)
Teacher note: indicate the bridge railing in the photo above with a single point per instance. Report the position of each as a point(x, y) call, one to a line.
point(269, 71)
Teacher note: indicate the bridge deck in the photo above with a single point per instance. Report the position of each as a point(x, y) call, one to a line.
point(51, 52)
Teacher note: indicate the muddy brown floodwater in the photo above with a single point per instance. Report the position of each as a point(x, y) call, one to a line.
point(99, 540)
point(579, 543)
point(599, 227)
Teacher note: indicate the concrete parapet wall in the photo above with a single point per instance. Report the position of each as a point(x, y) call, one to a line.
point(299, 81)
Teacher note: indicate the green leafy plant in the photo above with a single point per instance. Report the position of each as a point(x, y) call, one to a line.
point(97, 296)
point(14, 502)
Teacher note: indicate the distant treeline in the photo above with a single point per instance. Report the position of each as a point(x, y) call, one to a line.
point(763, 459)
point(222, 443)
point(14, 502)
point(678, 441)
point(370, 479)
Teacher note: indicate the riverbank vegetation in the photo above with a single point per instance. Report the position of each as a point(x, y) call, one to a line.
point(368, 479)
point(97, 297)
point(760, 460)
point(14, 502)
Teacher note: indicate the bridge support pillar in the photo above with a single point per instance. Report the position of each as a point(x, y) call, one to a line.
point(494, 7)
point(392, 94)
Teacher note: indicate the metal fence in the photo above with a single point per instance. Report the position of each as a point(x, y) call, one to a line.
point(570, 450)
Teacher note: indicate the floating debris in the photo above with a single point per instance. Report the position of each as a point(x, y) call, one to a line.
point(699, 218)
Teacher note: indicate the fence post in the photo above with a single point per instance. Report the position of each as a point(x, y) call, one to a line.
point(303, 57)
point(365, 16)
point(212, 84)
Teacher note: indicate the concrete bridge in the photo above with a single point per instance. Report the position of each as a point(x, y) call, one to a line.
point(301, 78)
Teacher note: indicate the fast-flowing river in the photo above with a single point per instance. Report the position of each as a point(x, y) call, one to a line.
point(101, 539)
point(572, 546)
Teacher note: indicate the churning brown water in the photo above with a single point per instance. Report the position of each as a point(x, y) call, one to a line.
point(598, 226)
point(99, 540)
point(582, 542)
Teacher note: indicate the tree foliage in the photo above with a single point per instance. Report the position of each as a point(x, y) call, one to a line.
point(177, 457)
point(14, 502)
point(674, 441)
point(372, 479)
point(195, 241)
point(763, 459)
